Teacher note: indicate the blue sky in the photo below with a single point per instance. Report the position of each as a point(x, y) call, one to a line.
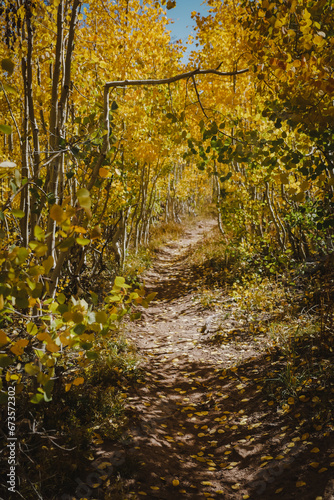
point(183, 25)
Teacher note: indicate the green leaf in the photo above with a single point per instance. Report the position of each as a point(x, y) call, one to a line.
point(37, 292)
point(77, 317)
point(3, 398)
point(82, 241)
point(172, 117)
point(83, 193)
point(226, 177)
point(10, 89)
point(39, 233)
point(66, 244)
point(79, 329)
point(150, 296)
point(5, 129)
point(22, 302)
point(32, 328)
point(120, 282)
point(36, 270)
point(61, 298)
point(94, 297)
point(101, 317)
point(92, 355)
point(22, 254)
point(39, 248)
point(37, 398)
point(62, 308)
point(46, 397)
point(113, 298)
point(48, 387)
point(5, 360)
point(135, 316)
point(8, 65)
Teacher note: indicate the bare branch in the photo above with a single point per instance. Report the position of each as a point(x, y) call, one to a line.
point(198, 97)
point(182, 76)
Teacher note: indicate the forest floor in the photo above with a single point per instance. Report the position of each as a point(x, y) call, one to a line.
point(201, 424)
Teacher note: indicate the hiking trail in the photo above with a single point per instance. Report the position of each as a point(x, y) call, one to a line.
point(200, 426)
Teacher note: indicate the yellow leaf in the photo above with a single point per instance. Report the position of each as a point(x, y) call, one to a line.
point(78, 381)
point(103, 172)
point(315, 450)
point(57, 214)
point(171, 4)
point(19, 346)
point(52, 347)
point(44, 336)
point(299, 484)
point(47, 264)
point(3, 337)
point(83, 196)
point(318, 40)
point(176, 482)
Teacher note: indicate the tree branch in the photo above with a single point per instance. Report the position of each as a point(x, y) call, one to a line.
point(198, 97)
point(182, 76)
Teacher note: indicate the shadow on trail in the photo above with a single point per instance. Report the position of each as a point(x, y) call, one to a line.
point(196, 432)
point(171, 277)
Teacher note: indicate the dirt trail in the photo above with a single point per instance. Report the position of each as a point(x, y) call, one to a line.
point(200, 426)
